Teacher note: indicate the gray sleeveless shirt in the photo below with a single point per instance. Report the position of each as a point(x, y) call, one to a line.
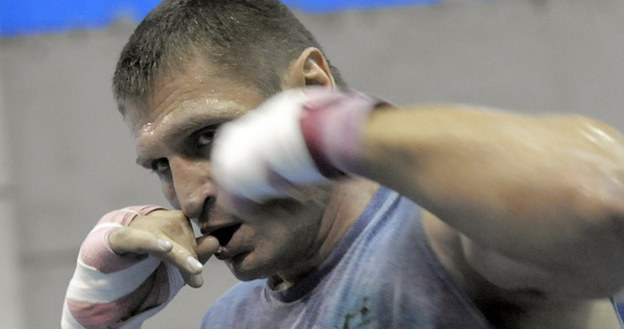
point(382, 274)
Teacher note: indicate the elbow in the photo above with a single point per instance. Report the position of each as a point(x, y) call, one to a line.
point(602, 208)
point(607, 272)
point(599, 243)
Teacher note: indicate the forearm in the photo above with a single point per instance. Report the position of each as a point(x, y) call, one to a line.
point(454, 158)
point(91, 308)
point(109, 289)
point(541, 191)
point(542, 188)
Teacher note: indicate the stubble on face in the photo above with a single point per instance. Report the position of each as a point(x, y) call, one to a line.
point(283, 236)
point(288, 236)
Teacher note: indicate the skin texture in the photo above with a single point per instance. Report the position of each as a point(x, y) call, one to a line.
point(524, 212)
point(173, 129)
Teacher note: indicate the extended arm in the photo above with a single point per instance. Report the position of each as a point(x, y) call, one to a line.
point(537, 199)
point(542, 191)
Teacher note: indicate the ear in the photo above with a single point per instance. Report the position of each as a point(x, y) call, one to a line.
point(309, 69)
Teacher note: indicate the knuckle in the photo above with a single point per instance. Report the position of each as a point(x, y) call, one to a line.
point(179, 214)
point(119, 234)
point(121, 240)
point(175, 215)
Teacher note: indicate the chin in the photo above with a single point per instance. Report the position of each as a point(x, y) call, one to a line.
point(248, 272)
point(248, 275)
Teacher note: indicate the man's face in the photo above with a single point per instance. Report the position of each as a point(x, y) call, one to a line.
point(174, 128)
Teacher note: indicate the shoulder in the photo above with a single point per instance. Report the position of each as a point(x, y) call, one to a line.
point(491, 278)
point(465, 261)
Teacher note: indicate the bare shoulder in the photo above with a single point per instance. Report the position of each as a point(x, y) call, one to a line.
point(510, 293)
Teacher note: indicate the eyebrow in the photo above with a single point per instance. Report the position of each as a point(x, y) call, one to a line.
point(193, 125)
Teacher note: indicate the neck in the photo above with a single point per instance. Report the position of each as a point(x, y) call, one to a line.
point(347, 202)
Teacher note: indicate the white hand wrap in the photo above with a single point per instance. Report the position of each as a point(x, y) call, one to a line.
point(104, 284)
point(297, 137)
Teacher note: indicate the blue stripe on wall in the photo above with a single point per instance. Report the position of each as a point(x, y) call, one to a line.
point(19, 17)
point(43, 16)
point(318, 7)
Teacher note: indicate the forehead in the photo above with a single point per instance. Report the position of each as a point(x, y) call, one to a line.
point(186, 98)
point(197, 89)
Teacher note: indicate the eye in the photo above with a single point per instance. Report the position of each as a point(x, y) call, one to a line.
point(205, 137)
point(160, 166)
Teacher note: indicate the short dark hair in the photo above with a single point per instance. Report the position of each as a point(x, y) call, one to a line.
point(254, 41)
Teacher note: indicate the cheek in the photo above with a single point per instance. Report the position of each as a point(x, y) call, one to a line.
point(278, 245)
point(294, 236)
point(279, 238)
point(285, 231)
point(292, 222)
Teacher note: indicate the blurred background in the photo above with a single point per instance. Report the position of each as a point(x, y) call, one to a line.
point(66, 157)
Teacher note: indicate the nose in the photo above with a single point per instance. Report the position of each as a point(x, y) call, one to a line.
point(195, 191)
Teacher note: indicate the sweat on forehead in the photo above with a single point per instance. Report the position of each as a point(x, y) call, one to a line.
point(179, 81)
point(254, 40)
point(194, 71)
point(196, 94)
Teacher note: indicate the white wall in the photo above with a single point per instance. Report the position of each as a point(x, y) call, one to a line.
point(72, 159)
point(11, 312)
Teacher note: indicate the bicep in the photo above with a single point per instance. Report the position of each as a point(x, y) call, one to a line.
point(476, 266)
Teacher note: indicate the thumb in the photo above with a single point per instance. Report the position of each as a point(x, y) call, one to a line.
point(207, 246)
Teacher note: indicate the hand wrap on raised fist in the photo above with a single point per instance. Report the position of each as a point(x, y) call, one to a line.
point(297, 137)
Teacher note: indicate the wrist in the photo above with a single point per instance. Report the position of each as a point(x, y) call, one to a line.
point(332, 124)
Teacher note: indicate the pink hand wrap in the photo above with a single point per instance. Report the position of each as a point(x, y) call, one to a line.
point(102, 288)
point(332, 124)
point(297, 137)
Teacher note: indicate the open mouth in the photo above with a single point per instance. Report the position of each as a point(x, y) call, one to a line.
point(224, 234)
